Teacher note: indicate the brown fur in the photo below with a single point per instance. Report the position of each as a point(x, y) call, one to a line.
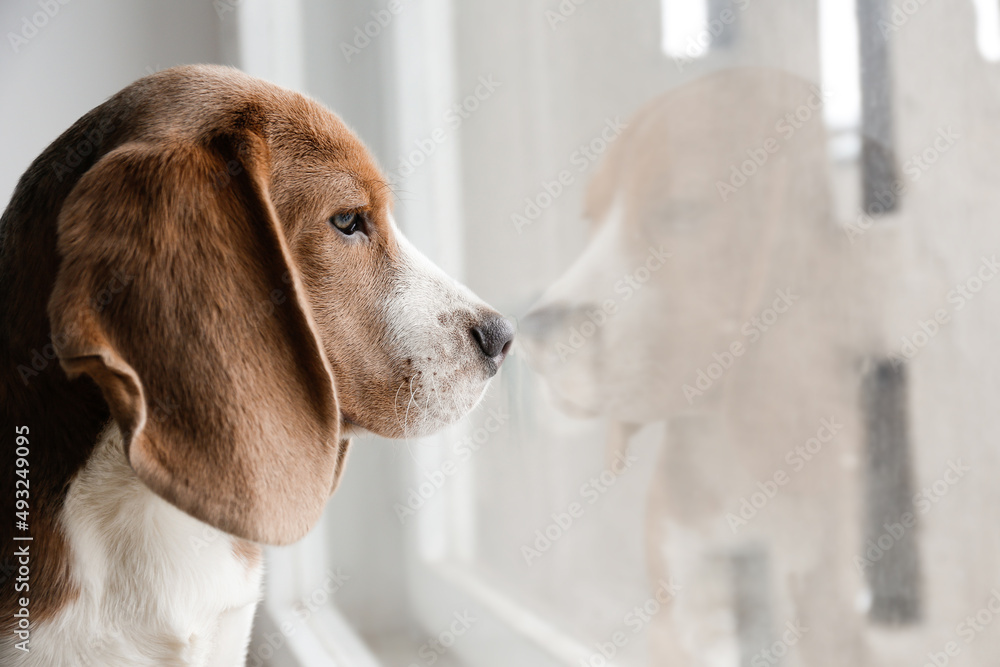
point(172, 250)
point(250, 554)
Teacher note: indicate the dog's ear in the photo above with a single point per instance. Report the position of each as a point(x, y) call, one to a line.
point(177, 294)
point(604, 185)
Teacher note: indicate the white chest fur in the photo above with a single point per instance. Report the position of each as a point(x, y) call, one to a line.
point(156, 586)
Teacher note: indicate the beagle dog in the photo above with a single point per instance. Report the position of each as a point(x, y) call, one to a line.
point(204, 296)
point(735, 316)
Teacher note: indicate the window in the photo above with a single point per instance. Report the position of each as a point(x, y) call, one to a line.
point(988, 29)
point(751, 418)
point(840, 74)
point(684, 28)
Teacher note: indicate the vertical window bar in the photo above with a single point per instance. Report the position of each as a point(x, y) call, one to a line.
point(724, 22)
point(878, 168)
point(890, 555)
point(752, 603)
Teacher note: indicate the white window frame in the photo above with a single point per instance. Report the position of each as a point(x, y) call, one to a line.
point(442, 579)
point(265, 39)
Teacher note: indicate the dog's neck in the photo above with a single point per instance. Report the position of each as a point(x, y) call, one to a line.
point(62, 420)
point(152, 584)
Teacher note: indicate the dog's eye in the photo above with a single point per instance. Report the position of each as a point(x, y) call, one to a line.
point(348, 223)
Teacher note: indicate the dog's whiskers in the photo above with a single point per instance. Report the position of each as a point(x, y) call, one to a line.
point(395, 403)
point(439, 415)
point(406, 416)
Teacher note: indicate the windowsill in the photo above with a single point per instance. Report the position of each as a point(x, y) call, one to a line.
point(403, 649)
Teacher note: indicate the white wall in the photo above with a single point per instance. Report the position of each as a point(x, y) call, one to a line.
point(81, 55)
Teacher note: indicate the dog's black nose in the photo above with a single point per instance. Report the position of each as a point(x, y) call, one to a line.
point(494, 335)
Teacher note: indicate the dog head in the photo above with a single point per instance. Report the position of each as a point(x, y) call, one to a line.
point(231, 277)
point(712, 201)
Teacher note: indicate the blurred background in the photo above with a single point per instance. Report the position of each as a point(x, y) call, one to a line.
point(750, 246)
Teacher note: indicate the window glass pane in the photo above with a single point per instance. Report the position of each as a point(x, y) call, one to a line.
point(752, 389)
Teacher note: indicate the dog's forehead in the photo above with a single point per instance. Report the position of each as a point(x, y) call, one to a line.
point(310, 142)
point(311, 147)
point(303, 136)
point(300, 125)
